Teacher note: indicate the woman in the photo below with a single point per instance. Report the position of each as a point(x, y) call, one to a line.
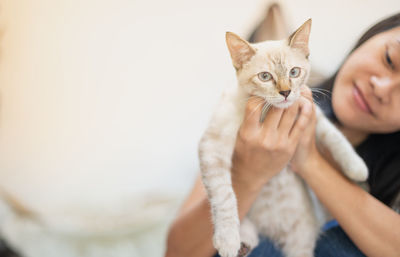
point(365, 105)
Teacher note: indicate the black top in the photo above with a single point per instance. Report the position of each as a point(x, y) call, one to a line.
point(381, 153)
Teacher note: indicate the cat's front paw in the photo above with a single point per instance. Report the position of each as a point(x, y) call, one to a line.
point(248, 236)
point(227, 241)
point(356, 170)
point(244, 250)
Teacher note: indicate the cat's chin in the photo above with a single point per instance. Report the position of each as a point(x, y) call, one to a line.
point(283, 104)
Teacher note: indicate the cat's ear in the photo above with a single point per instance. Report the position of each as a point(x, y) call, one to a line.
point(299, 38)
point(241, 51)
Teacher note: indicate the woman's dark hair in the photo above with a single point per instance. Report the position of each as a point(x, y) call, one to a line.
point(382, 26)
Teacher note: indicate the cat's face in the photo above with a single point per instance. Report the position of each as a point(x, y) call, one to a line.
point(273, 70)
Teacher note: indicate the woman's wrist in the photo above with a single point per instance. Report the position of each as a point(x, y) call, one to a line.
point(310, 165)
point(246, 193)
point(246, 185)
point(245, 182)
point(248, 172)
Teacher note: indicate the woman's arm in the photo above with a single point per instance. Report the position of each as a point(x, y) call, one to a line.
point(193, 222)
point(372, 226)
point(191, 233)
point(261, 151)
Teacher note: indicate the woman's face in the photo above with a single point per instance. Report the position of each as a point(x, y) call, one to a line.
point(366, 92)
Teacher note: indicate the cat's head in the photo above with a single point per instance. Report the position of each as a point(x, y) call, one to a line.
point(273, 70)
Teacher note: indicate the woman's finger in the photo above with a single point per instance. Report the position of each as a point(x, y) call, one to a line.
point(288, 118)
point(306, 93)
point(306, 111)
point(272, 118)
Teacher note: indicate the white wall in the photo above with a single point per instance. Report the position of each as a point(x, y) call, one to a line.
point(106, 100)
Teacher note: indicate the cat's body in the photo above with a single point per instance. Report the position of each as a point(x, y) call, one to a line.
point(283, 210)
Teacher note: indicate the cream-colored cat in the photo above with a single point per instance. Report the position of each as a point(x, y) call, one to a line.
point(275, 71)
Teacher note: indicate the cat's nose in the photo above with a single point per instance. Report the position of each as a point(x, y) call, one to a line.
point(285, 93)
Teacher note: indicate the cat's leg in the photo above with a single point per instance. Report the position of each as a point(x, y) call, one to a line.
point(248, 236)
point(215, 170)
point(341, 150)
point(225, 218)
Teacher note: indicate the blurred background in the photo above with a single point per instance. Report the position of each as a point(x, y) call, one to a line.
point(102, 105)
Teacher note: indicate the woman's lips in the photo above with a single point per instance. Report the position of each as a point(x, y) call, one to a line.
point(360, 100)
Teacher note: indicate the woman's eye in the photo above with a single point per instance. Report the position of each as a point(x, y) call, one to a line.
point(294, 72)
point(264, 76)
point(388, 60)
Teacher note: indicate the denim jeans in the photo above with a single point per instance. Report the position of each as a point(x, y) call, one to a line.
point(332, 243)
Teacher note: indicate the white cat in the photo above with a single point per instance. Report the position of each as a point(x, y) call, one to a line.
point(275, 71)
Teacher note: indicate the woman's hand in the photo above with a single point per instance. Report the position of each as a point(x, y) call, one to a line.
point(264, 149)
point(306, 151)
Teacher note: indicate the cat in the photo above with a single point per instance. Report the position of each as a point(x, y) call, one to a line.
point(283, 210)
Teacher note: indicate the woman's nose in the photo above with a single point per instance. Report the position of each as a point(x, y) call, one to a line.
point(383, 87)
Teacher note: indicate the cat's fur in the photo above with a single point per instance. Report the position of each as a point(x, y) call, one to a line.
point(283, 210)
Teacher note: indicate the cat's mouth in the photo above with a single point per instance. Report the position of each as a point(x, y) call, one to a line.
point(283, 104)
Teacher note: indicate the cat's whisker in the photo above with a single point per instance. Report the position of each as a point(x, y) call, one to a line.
point(255, 109)
point(321, 92)
point(322, 89)
point(318, 103)
point(264, 112)
point(319, 89)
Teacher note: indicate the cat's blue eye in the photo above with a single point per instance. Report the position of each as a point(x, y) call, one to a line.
point(264, 76)
point(294, 72)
